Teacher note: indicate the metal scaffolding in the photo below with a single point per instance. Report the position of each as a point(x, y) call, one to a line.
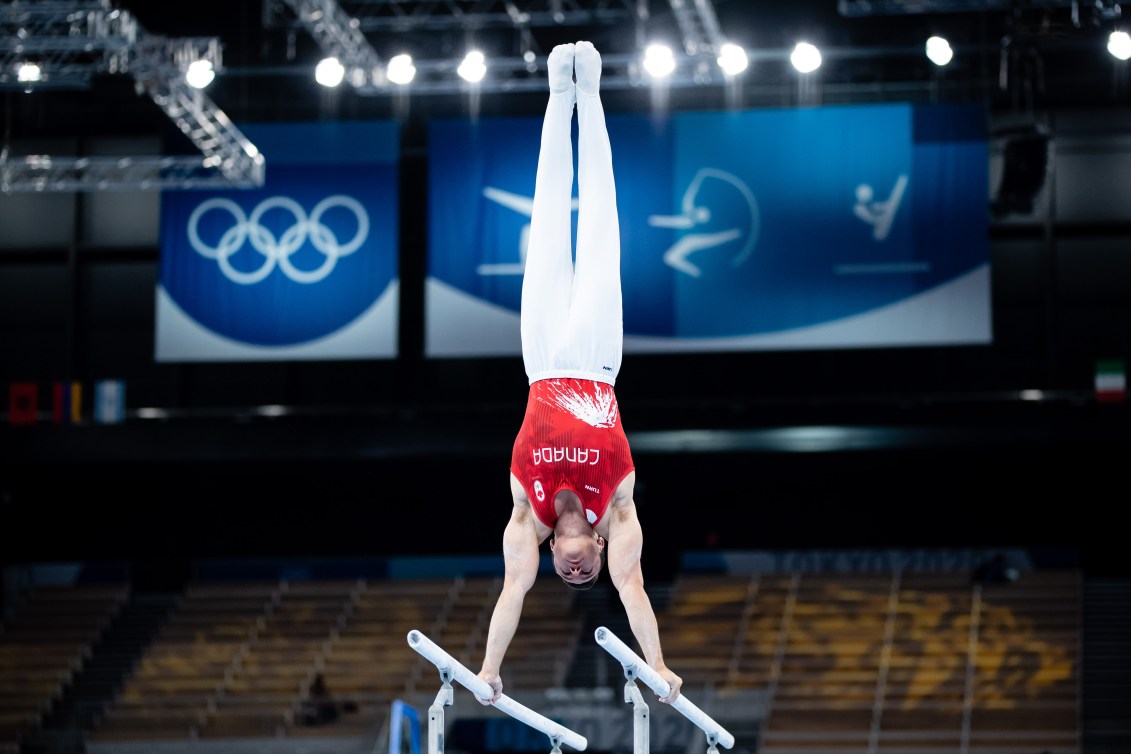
point(441, 15)
point(338, 28)
point(61, 43)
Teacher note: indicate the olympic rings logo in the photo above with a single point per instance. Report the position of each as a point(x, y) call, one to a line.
point(278, 251)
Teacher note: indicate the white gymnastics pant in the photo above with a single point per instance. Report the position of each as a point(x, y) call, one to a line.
point(571, 320)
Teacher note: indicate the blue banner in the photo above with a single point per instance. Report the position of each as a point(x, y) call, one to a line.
point(303, 268)
point(835, 227)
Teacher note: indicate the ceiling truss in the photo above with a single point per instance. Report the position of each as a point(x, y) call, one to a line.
point(71, 42)
point(338, 28)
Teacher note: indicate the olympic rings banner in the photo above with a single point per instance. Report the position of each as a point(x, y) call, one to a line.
point(304, 268)
point(834, 227)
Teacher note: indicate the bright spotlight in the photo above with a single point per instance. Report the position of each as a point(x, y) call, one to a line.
point(29, 73)
point(1119, 45)
point(401, 70)
point(939, 51)
point(473, 67)
point(659, 61)
point(805, 57)
point(732, 59)
point(200, 74)
point(329, 72)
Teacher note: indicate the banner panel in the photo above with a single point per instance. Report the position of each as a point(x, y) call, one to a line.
point(834, 227)
point(303, 268)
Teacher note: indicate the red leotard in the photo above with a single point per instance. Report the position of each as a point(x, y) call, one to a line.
point(571, 439)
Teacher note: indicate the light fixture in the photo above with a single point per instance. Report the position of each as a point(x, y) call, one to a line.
point(29, 73)
point(329, 72)
point(732, 59)
point(401, 70)
point(1119, 45)
point(473, 67)
point(805, 57)
point(659, 61)
point(200, 74)
point(939, 51)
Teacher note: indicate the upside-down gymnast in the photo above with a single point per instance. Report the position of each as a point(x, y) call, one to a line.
point(572, 474)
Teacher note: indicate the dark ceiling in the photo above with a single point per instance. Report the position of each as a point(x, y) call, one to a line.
point(1015, 56)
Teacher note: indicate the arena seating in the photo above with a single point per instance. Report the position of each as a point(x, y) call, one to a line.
point(237, 660)
point(921, 663)
point(701, 618)
point(543, 648)
point(43, 645)
point(176, 684)
point(926, 663)
point(367, 663)
point(1026, 667)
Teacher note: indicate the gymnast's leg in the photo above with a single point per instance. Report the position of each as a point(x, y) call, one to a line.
point(548, 276)
point(596, 319)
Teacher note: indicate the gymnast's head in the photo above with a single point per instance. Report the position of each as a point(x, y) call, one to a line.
point(578, 558)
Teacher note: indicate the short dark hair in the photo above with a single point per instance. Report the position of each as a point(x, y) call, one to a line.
point(584, 585)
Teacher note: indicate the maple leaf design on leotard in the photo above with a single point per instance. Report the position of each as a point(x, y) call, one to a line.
point(597, 410)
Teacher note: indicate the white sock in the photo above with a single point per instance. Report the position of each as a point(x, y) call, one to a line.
point(559, 65)
point(587, 68)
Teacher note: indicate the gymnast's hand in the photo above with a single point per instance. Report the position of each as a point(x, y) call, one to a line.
point(674, 681)
point(496, 685)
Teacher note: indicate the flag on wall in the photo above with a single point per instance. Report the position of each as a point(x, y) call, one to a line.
point(109, 401)
point(831, 227)
point(66, 402)
point(304, 268)
point(1111, 381)
point(23, 402)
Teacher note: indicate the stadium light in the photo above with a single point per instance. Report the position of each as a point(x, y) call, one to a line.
point(401, 70)
point(939, 51)
point(200, 74)
point(329, 72)
point(659, 61)
point(473, 67)
point(1119, 45)
point(805, 57)
point(29, 73)
point(732, 59)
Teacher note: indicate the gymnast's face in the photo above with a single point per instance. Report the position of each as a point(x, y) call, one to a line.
point(577, 558)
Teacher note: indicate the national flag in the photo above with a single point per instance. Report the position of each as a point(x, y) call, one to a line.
point(66, 403)
point(23, 402)
point(109, 401)
point(1111, 381)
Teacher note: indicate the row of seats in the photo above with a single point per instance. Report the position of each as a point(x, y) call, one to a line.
point(844, 662)
point(869, 663)
point(43, 644)
point(243, 660)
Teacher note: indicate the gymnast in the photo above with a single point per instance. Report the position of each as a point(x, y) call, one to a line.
point(572, 474)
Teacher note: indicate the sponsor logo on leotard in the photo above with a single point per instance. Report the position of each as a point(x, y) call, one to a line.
point(586, 456)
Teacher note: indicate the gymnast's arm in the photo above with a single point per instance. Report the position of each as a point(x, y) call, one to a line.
point(626, 541)
point(520, 560)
